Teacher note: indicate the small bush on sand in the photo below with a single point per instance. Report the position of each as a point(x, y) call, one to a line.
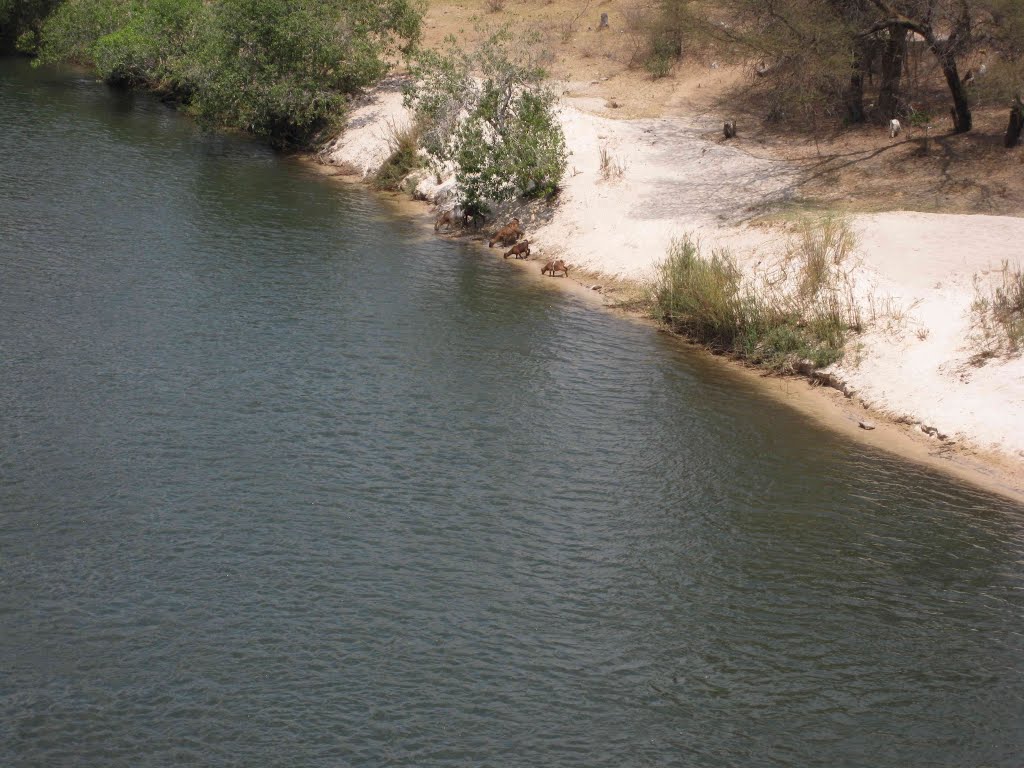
point(610, 168)
point(998, 315)
point(800, 311)
point(490, 113)
point(403, 160)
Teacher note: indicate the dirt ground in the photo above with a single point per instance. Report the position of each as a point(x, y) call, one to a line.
point(856, 170)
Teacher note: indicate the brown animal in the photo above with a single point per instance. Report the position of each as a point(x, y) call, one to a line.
point(519, 250)
point(555, 266)
point(507, 234)
point(445, 219)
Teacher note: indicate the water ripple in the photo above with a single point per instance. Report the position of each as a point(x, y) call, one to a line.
point(285, 483)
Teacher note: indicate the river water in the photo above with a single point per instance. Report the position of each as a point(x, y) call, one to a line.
point(285, 482)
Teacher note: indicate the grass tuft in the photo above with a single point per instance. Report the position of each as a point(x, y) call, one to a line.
point(802, 310)
point(610, 168)
point(402, 161)
point(998, 315)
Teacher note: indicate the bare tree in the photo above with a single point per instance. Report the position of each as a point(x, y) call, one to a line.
point(926, 17)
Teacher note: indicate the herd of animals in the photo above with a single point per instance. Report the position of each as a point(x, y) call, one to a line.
point(509, 235)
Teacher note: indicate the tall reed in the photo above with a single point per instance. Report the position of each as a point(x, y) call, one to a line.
point(799, 310)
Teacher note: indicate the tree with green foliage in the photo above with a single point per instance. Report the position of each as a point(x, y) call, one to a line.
point(20, 23)
point(283, 69)
point(491, 115)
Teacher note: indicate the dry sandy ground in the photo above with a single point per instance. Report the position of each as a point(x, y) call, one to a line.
point(916, 364)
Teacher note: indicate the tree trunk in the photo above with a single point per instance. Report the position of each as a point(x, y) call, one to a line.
point(854, 96)
point(961, 110)
point(893, 53)
point(1016, 126)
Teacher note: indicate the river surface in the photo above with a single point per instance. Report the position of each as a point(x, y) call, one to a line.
point(285, 481)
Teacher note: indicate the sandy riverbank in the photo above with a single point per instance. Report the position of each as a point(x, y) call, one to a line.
point(913, 372)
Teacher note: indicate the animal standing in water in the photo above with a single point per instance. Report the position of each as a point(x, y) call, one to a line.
point(446, 219)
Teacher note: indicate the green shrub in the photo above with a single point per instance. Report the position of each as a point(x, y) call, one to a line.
point(283, 69)
point(803, 312)
point(489, 113)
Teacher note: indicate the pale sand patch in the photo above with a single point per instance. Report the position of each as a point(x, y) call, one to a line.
point(918, 365)
point(676, 180)
point(915, 276)
point(366, 142)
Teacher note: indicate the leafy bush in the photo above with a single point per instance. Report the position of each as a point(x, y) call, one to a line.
point(283, 69)
point(151, 47)
point(489, 113)
point(20, 21)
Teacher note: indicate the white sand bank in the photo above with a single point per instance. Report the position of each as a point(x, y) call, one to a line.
point(914, 362)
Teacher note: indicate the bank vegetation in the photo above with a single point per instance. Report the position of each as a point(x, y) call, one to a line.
point(796, 313)
point(281, 69)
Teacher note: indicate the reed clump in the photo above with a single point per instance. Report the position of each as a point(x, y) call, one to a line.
point(998, 315)
point(799, 310)
point(404, 158)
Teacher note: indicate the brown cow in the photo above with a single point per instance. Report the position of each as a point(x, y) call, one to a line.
point(519, 250)
point(507, 234)
point(555, 266)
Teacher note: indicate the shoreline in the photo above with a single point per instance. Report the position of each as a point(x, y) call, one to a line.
point(826, 406)
point(908, 376)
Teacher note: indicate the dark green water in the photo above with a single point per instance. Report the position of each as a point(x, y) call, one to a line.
point(285, 483)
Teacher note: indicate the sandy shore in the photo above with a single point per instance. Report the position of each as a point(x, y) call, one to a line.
point(914, 372)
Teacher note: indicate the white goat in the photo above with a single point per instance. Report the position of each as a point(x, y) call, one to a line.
point(894, 128)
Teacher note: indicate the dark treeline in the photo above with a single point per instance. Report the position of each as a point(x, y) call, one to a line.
point(282, 69)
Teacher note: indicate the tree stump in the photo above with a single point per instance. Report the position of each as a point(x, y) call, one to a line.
point(1016, 126)
point(604, 21)
point(729, 129)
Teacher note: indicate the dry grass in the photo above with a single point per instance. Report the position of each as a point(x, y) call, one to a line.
point(801, 310)
point(610, 168)
point(404, 158)
point(998, 314)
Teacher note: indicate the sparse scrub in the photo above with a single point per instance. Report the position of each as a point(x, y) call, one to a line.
point(495, 6)
point(404, 157)
point(610, 168)
point(998, 315)
point(663, 33)
point(802, 310)
point(569, 28)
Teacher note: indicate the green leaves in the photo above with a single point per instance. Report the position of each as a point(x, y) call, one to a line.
point(489, 114)
point(283, 69)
